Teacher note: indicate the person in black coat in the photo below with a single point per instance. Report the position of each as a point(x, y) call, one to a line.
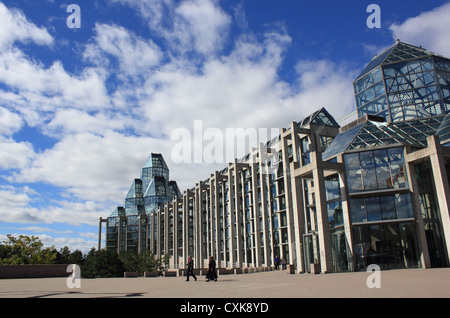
point(211, 270)
point(190, 269)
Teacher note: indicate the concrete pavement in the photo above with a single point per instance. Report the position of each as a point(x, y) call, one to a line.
point(422, 283)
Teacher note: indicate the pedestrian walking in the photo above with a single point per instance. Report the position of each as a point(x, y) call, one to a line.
point(277, 262)
point(190, 269)
point(211, 270)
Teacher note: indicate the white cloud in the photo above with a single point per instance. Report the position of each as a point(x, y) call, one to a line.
point(243, 88)
point(14, 205)
point(429, 29)
point(199, 26)
point(91, 167)
point(9, 122)
point(16, 27)
point(15, 155)
point(134, 54)
point(323, 83)
point(48, 88)
point(70, 121)
point(207, 25)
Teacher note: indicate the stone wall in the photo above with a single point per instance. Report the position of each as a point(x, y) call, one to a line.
point(33, 271)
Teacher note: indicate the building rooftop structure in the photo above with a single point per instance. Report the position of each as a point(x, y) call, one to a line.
point(404, 82)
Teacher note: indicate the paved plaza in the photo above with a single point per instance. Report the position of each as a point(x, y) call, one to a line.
point(412, 283)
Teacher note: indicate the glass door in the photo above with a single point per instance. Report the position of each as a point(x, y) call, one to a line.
point(311, 250)
point(339, 251)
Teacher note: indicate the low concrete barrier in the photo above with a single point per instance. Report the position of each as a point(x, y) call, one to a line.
point(33, 271)
point(151, 274)
point(130, 274)
point(225, 271)
point(170, 273)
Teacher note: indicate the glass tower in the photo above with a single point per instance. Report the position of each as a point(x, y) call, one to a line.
point(130, 228)
point(404, 82)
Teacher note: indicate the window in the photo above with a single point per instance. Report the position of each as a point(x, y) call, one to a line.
point(378, 208)
point(376, 170)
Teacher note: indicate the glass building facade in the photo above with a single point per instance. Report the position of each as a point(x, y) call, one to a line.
point(134, 227)
point(404, 82)
point(336, 199)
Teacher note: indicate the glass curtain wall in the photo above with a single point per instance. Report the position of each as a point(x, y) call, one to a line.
point(383, 224)
point(404, 83)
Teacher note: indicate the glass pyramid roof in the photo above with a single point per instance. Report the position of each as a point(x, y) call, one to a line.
point(155, 160)
point(398, 52)
point(321, 117)
point(372, 134)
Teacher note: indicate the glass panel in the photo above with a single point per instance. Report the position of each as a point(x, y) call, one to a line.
point(387, 207)
point(357, 210)
point(373, 247)
point(382, 169)
point(368, 170)
point(339, 251)
point(361, 246)
point(373, 209)
point(332, 188)
point(409, 245)
point(391, 248)
point(403, 206)
point(397, 167)
point(353, 171)
point(334, 214)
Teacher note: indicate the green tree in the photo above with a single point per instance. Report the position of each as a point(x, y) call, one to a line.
point(76, 257)
point(103, 263)
point(64, 256)
point(26, 250)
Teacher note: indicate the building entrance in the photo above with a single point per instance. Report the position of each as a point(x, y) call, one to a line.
point(311, 251)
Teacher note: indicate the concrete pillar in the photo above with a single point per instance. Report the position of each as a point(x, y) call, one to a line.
point(237, 216)
point(298, 218)
point(322, 217)
point(420, 228)
point(347, 220)
point(256, 214)
point(442, 186)
point(231, 212)
point(288, 195)
point(101, 220)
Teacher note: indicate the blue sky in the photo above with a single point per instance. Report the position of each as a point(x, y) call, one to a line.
point(81, 109)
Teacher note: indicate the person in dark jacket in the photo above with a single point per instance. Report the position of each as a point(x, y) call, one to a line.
point(211, 270)
point(190, 269)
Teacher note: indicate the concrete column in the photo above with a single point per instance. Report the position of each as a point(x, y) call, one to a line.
point(185, 228)
point(198, 219)
point(100, 221)
point(442, 186)
point(216, 224)
point(175, 232)
point(420, 228)
point(166, 220)
point(347, 220)
point(139, 247)
point(231, 212)
point(298, 218)
point(288, 194)
point(264, 212)
point(256, 214)
point(322, 217)
point(237, 215)
point(158, 230)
